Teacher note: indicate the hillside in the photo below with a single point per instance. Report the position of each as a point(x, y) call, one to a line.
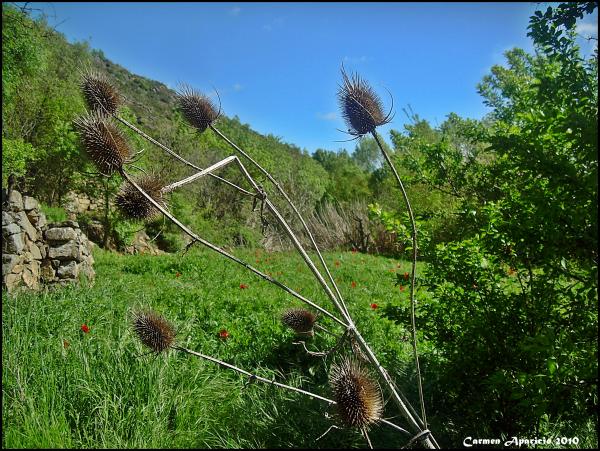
point(41, 98)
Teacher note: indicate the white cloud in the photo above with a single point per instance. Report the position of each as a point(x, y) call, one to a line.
point(587, 28)
point(332, 116)
point(235, 11)
point(275, 23)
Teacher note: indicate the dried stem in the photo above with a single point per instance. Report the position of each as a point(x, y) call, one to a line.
point(254, 376)
point(227, 254)
point(291, 204)
point(178, 157)
point(413, 275)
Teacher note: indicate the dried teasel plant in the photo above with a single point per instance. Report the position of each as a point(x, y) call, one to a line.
point(134, 205)
point(99, 93)
point(363, 111)
point(357, 393)
point(205, 119)
point(361, 107)
point(300, 320)
point(197, 108)
point(153, 330)
point(104, 142)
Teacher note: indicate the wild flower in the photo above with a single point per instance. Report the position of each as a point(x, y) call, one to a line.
point(223, 334)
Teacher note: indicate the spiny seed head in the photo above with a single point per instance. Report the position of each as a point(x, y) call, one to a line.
point(134, 204)
point(99, 94)
point(197, 108)
point(103, 142)
point(300, 320)
point(153, 330)
point(357, 394)
point(361, 106)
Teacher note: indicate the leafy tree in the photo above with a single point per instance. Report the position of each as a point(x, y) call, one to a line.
point(367, 155)
point(513, 312)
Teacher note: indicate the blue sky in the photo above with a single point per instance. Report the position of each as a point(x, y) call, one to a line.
point(277, 65)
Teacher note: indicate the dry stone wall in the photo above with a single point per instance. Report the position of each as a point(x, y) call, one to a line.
point(36, 253)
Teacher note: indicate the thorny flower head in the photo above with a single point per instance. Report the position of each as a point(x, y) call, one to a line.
point(361, 106)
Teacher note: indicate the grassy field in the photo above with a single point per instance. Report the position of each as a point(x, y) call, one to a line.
point(63, 387)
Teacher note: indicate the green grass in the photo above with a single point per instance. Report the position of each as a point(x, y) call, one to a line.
point(54, 214)
point(62, 387)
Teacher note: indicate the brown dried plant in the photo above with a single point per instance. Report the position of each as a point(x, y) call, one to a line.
point(353, 386)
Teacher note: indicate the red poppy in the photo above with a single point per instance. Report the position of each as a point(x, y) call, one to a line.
point(85, 328)
point(374, 306)
point(354, 251)
point(257, 260)
point(405, 276)
point(178, 274)
point(353, 284)
point(401, 287)
point(243, 286)
point(337, 263)
point(223, 334)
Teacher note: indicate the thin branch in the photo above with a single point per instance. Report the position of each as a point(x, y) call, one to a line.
point(254, 376)
point(176, 156)
point(413, 274)
point(225, 253)
point(291, 204)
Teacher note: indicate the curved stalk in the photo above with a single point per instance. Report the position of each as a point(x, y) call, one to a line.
point(291, 204)
point(413, 274)
point(177, 156)
point(208, 244)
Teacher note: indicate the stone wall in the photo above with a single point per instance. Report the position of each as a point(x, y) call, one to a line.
point(35, 253)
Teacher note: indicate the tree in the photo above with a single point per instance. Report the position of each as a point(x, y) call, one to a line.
point(513, 312)
point(367, 155)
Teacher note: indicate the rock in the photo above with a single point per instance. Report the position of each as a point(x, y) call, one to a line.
point(68, 271)
point(60, 234)
point(26, 226)
point(70, 223)
point(68, 251)
point(47, 271)
point(42, 248)
point(15, 201)
point(30, 279)
point(35, 251)
point(17, 269)
point(6, 218)
point(27, 257)
point(13, 244)
point(29, 203)
point(12, 281)
point(42, 221)
point(8, 263)
point(10, 229)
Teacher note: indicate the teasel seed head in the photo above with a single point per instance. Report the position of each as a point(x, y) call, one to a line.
point(358, 395)
point(197, 108)
point(300, 320)
point(154, 331)
point(361, 106)
point(99, 94)
point(103, 142)
point(134, 204)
